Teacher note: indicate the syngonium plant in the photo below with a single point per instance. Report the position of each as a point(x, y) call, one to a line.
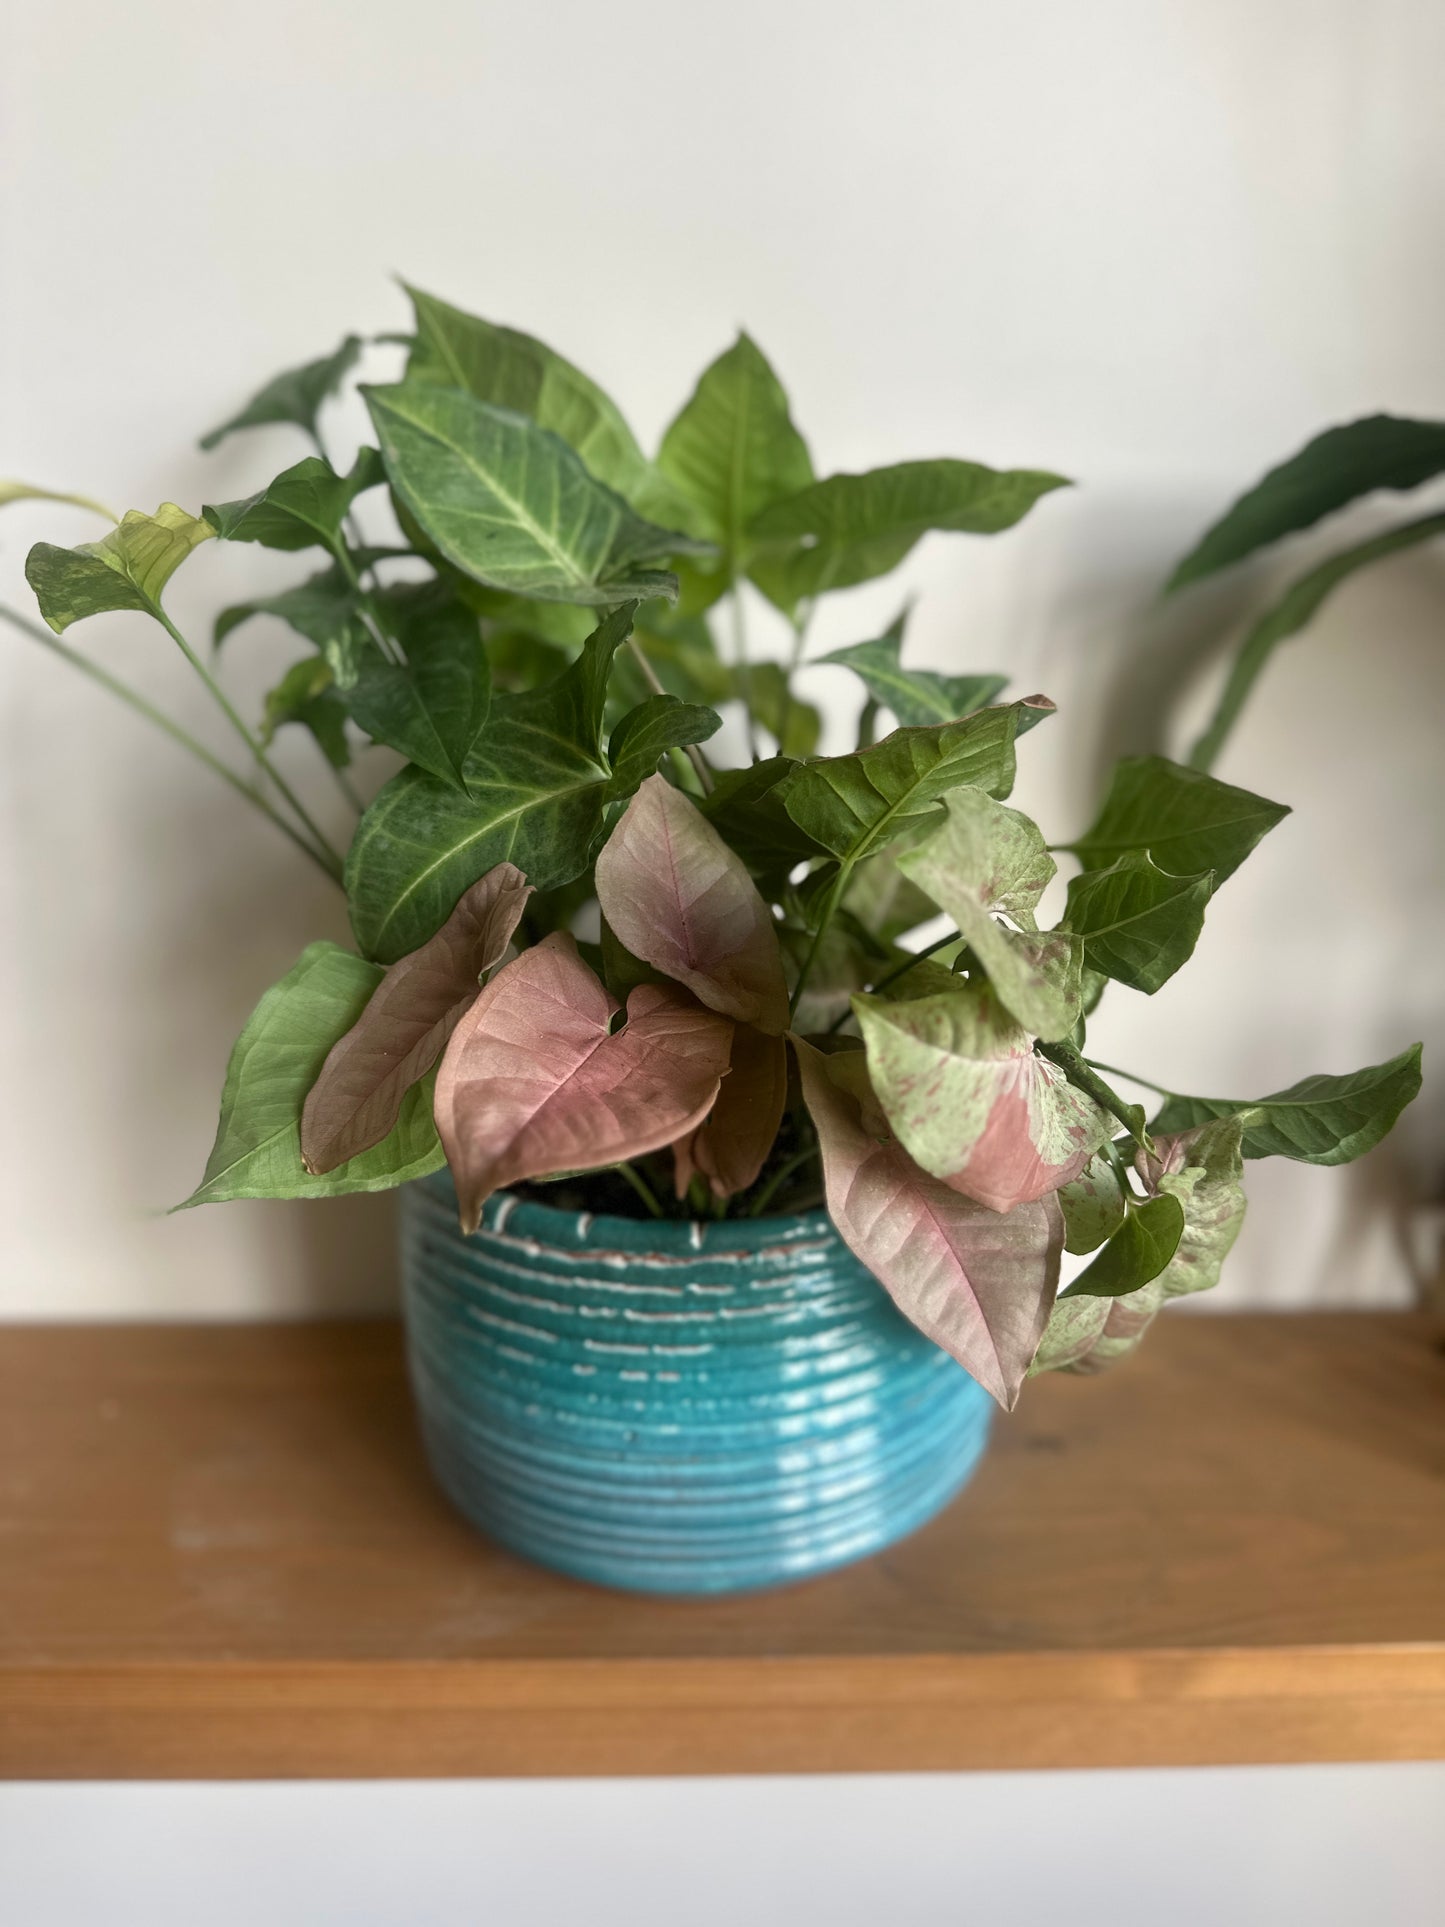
point(737, 1026)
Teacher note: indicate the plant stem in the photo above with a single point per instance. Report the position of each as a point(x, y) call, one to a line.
point(332, 857)
point(133, 700)
point(389, 649)
point(1084, 1079)
point(1132, 1076)
point(902, 968)
point(829, 911)
point(800, 637)
point(778, 1179)
point(640, 1185)
point(745, 674)
point(654, 683)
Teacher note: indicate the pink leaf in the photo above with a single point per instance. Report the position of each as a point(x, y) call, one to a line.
point(534, 1082)
point(357, 1097)
point(677, 896)
point(979, 1283)
point(732, 1146)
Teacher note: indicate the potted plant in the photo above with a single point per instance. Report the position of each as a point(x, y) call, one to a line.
point(727, 1217)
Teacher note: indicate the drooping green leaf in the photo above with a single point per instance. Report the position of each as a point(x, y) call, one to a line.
point(914, 695)
point(645, 734)
point(733, 449)
point(1188, 823)
point(515, 371)
point(1381, 451)
point(1320, 1120)
point(1136, 1253)
point(794, 726)
point(1296, 608)
point(855, 805)
point(1093, 1206)
point(323, 608)
point(1138, 923)
point(1202, 1169)
point(126, 569)
point(305, 695)
point(538, 799)
point(512, 505)
point(278, 1056)
point(432, 707)
point(26, 492)
point(294, 396)
point(303, 508)
point(851, 528)
point(983, 862)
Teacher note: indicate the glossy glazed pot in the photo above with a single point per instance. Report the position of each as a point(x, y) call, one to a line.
point(675, 1408)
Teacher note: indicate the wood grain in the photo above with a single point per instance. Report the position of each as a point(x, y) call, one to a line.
point(221, 1555)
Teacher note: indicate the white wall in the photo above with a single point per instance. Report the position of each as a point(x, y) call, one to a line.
point(1154, 246)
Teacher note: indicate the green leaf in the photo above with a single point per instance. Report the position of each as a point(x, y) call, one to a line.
point(656, 725)
point(1138, 923)
point(851, 528)
point(278, 1056)
point(683, 656)
point(295, 396)
point(303, 508)
point(565, 625)
point(1290, 614)
point(1186, 821)
point(914, 695)
point(126, 569)
point(1202, 1169)
point(511, 504)
point(1137, 1252)
point(512, 370)
point(855, 805)
point(1093, 1206)
point(983, 862)
point(322, 608)
point(25, 492)
point(885, 902)
point(304, 695)
point(747, 810)
point(1320, 1120)
point(1382, 451)
point(733, 449)
point(793, 725)
point(538, 800)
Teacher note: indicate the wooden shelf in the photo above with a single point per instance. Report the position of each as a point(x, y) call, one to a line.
point(221, 1555)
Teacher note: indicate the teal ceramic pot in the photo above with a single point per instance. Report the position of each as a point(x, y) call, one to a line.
point(675, 1408)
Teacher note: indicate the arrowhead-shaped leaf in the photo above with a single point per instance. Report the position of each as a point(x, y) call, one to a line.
point(303, 508)
point(1320, 1120)
point(1138, 923)
point(126, 569)
point(535, 1082)
point(677, 897)
point(511, 505)
point(323, 608)
point(851, 528)
point(357, 1098)
point(1093, 1207)
point(1136, 1253)
point(855, 805)
point(971, 1101)
point(1201, 1170)
point(914, 695)
point(1187, 822)
point(977, 1283)
point(304, 695)
point(294, 396)
point(539, 787)
point(644, 734)
point(983, 862)
point(257, 1153)
point(1382, 451)
point(731, 1147)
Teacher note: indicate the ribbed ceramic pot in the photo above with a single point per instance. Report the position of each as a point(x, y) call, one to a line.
point(675, 1408)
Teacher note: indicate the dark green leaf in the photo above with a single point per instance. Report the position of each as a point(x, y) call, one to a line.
point(914, 695)
point(323, 608)
point(511, 504)
point(746, 809)
point(295, 396)
point(851, 528)
point(523, 661)
point(565, 625)
point(1136, 1254)
point(1289, 615)
point(1139, 923)
point(126, 569)
point(657, 724)
point(793, 725)
point(304, 695)
point(538, 800)
point(1382, 451)
point(278, 1056)
point(733, 449)
point(1187, 822)
point(303, 508)
point(1320, 1120)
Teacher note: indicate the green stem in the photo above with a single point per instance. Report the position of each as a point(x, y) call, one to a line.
point(331, 856)
point(654, 683)
point(347, 788)
point(640, 1185)
point(1084, 1079)
point(745, 674)
point(1132, 1076)
point(161, 721)
point(778, 1179)
point(800, 637)
point(829, 911)
point(389, 648)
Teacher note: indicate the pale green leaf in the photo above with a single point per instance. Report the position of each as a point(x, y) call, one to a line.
point(914, 695)
point(126, 569)
point(1320, 1120)
point(1202, 1169)
point(25, 492)
point(294, 396)
point(1093, 1206)
point(1137, 922)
